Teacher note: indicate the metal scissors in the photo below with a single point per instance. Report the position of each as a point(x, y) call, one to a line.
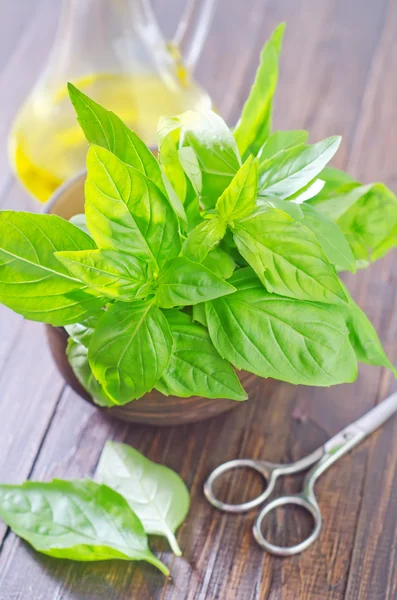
point(319, 461)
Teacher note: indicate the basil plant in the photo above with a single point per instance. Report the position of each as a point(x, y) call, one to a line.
point(221, 254)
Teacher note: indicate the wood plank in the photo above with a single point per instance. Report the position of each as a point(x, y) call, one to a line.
point(280, 421)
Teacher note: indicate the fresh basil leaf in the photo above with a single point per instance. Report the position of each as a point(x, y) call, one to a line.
point(204, 238)
point(334, 178)
point(79, 221)
point(364, 339)
point(81, 333)
point(339, 201)
point(195, 367)
point(129, 350)
point(199, 314)
point(291, 170)
point(77, 520)
point(287, 257)
point(282, 140)
point(103, 128)
point(191, 167)
point(33, 282)
point(330, 237)
point(370, 221)
point(273, 336)
point(220, 262)
point(313, 188)
point(126, 211)
point(215, 149)
point(183, 282)
point(290, 208)
point(78, 359)
point(113, 274)
point(254, 126)
point(239, 198)
point(156, 494)
point(168, 140)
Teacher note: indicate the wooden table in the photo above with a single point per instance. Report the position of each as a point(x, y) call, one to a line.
point(338, 76)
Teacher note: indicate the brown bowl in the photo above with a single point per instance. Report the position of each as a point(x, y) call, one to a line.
point(153, 408)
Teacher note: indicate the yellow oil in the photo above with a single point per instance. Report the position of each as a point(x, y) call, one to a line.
point(47, 145)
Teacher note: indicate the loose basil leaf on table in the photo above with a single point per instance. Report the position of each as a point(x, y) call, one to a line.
point(32, 281)
point(195, 367)
point(203, 238)
point(239, 199)
point(274, 336)
point(183, 282)
point(216, 151)
point(77, 520)
point(130, 348)
point(77, 355)
point(292, 169)
point(113, 274)
point(330, 237)
point(154, 492)
point(282, 140)
point(253, 128)
point(120, 204)
point(287, 257)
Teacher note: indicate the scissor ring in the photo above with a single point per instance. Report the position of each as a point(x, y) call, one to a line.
point(268, 475)
point(299, 500)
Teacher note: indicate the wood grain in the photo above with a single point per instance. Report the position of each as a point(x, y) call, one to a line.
point(338, 76)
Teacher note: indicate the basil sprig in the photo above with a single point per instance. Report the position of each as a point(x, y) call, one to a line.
point(221, 254)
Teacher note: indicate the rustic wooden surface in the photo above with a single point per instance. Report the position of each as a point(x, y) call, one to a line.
point(338, 76)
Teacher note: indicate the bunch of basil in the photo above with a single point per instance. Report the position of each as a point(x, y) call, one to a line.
point(222, 254)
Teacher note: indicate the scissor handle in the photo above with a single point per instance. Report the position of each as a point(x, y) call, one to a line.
point(304, 500)
point(268, 473)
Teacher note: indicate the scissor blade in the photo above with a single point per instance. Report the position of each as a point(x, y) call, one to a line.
point(378, 415)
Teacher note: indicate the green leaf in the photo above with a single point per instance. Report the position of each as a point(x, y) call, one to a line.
point(367, 215)
point(126, 211)
point(239, 198)
point(282, 140)
point(370, 221)
point(331, 238)
point(199, 314)
point(130, 348)
point(253, 128)
point(363, 337)
point(155, 493)
point(77, 520)
point(103, 128)
point(291, 170)
point(191, 167)
point(78, 359)
point(220, 262)
point(290, 208)
point(313, 188)
point(287, 257)
point(273, 336)
point(195, 367)
point(79, 221)
point(215, 149)
point(203, 238)
point(334, 178)
point(168, 139)
point(183, 282)
point(33, 282)
point(113, 274)
point(81, 333)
